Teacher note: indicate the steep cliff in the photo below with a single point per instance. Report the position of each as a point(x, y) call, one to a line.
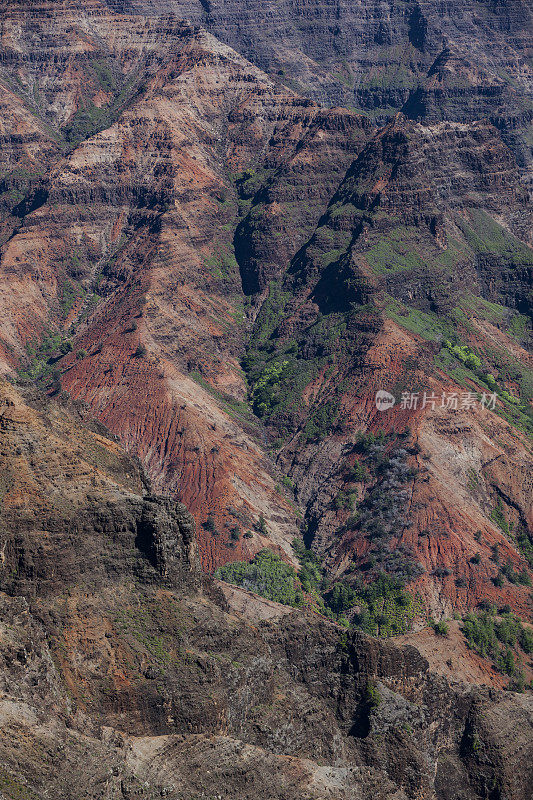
point(124, 674)
point(181, 217)
point(424, 239)
point(435, 60)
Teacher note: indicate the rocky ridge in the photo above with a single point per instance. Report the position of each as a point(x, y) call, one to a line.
point(132, 676)
point(430, 60)
point(187, 229)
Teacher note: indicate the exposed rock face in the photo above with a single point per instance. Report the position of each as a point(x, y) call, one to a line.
point(428, 178)
point(211, 276)
point(438, 60)
point(144, 216)
point(405, 236)
point(185, 210)
point(127, 676)
point(71, 507)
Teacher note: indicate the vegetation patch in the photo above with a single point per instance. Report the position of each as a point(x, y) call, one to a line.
point(428, 325)
point(14, 789)
point(279, 371)
point(42, 358)
point(486, 237)
point(140, 623)
point(382, 607)
point(86, 122)
point(267, 575)
point(501, 639)
point(395, 252)
point(381, 516)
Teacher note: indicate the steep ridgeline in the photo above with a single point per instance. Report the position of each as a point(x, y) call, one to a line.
point(226, 273)
point(460, 62)
point(416, 280)
point(127, 244)
point(125, 674)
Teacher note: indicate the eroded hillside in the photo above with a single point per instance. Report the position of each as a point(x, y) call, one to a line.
point(226, 274)
point(124, 673)
point(266, 520)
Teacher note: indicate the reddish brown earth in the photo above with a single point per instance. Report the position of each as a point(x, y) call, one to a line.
point(205, 278)
point(450, 657)
point(160, 209)
point(446, 513)
point(125, 672)
point(151, 245)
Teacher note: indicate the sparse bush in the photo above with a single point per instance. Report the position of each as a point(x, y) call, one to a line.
point(357, 473)
point(494, 639)
point(209, 524)
point(510, 573)
point(372, 697)
point(344, 501)
point(235, 533)
point(287, 482)
point(523, 577)
point(261, 526)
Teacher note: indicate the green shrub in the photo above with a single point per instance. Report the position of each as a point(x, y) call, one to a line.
point(372, 697)
point(386, 608)
point(357, 473)
point(494, 639)
point(523, 577)
point(235, 533)
point(265, 392)
point(464, 354)
point(505, 661)
point(261, 526)
point(267, 575)
point(344, 500)
point(310, 572)
point(341, 598)
point(86, 122)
